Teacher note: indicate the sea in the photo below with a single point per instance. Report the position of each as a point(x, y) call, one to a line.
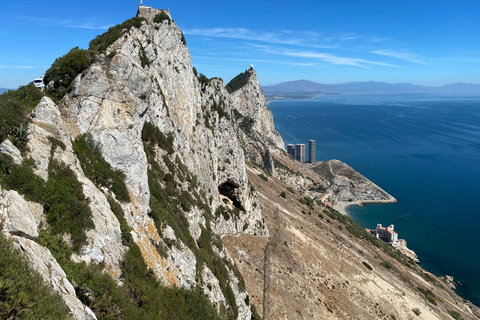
point(422, 149)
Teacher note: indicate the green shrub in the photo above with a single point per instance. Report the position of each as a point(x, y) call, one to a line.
point(102, 42)
point(430, 278)
point(283, 195)
point(23, 293)
point(263, 177)
point(429, 295)
point(153, 136)
point(289, 189)
point(21, 178)
point(14, 107)
point(160, 17)
point(124, 227)
point(144, 61)
point(416, 311)
point(367, 265)
point(238, 82)
point(386, 265)
point(97, 169)
point(55, 143)
point(65, 69)
point(65, 204)
point(455, 315)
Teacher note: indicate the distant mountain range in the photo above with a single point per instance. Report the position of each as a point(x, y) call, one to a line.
point(306, 86)
point(2, 90)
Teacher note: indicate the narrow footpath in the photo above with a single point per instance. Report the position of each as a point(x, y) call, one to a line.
point(266, 271)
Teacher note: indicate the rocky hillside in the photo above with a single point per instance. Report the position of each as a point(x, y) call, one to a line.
point(124, 178)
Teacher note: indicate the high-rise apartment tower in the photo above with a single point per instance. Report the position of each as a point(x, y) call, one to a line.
point(311, 151)
point(300, 152)
point(291, 149)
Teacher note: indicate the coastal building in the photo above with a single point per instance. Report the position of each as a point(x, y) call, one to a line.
point(291, 149)
point(300, 152)
point(386, 233)
point(391, 237)
point(311, 151)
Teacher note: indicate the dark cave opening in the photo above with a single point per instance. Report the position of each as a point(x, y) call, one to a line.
point(231, 190)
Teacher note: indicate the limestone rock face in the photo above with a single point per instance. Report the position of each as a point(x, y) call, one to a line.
point(43, 262)
point(7, 147)
point(16, 217)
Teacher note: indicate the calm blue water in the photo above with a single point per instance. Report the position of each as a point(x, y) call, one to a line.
point(424, 150)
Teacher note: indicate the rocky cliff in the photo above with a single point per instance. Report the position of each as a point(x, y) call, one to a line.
point(189, 151)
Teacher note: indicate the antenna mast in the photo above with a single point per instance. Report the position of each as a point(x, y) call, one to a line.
point(141, 3)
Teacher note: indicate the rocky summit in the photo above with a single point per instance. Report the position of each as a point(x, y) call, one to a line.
point(142, 189)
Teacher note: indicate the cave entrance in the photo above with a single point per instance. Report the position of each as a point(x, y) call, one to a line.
point(231, 190)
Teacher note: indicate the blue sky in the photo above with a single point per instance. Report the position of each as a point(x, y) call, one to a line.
point(417, 41)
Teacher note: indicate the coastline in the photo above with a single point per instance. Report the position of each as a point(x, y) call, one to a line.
point(341, 206)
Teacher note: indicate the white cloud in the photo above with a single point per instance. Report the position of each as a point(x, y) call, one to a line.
point(325, 57)
point(399, 54)
point(20, 67)
point(66, 23)
point(262, 61)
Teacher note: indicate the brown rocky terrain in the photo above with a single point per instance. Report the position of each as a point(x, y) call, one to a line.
point(317, 269)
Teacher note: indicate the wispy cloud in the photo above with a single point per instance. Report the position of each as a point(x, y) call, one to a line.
point(282, 37)
point(288, 37)
point(66, 23)
point(399, 54)
point(21, 67)
point(322, 56)
point(308, 64)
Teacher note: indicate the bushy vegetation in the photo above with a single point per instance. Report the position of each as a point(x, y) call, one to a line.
point(152, 136)
point(97, 169)
point(283, 194)
point(65, 204)
point(455, 315)
point(124, 227)
point(21, 178)
point(66, 68)
point(386, 265)
point(263, 177)
point(307, 201)
point(23, 293)
point(14, 107)
point(160, 17)
point(416, 311)
point(102, 42)
point(238, 82)
point(367, 265)
point(62, 195)
point(429, 295)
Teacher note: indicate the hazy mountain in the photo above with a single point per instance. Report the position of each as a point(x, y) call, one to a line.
point(369, 87)
point(2, 90)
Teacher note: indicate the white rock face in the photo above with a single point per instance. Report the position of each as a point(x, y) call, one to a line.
point(7, 147)
point(16, 218)
point(43, 262)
